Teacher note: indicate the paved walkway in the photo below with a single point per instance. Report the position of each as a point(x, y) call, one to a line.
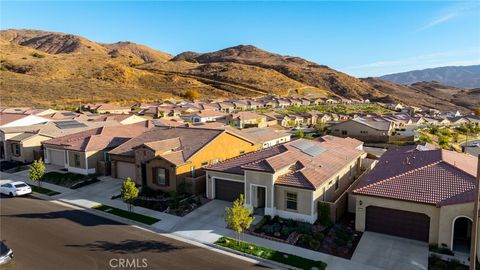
point(205, 224)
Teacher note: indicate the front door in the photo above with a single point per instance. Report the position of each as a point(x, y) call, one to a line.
point(261, 197)
point(144, 174)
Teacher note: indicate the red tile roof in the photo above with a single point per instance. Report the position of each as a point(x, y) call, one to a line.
point(437, 177)
point(305, 171)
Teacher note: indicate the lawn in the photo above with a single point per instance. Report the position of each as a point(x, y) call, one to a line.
point(69, 180)
point(271, 254)
point(126, 214)
point(44, 191)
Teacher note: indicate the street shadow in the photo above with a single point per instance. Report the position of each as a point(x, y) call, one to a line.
point(129, 246)
point(77, 216)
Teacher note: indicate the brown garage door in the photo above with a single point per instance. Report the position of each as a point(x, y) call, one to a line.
point(399, 223)
point(228, 190)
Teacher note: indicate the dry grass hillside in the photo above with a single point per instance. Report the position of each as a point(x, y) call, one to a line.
point(40, 68)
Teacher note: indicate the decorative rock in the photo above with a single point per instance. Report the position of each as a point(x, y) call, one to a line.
point(285, 256)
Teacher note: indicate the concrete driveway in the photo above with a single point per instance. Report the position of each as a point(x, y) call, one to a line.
point(206, 223)
point(391, 253)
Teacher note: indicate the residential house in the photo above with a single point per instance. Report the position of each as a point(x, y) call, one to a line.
point(226, 107)
point(206, 116)
point(172, 158)
point(124, 119)
point(268, 136)
point(422, 195)
point(290, 179)
point(246, 119)
point(18, 120)
point(366, 130)
point(106, 108)
point(86, 152)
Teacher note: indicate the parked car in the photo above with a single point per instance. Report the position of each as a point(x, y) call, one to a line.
point(475, 144)
point(6, 254)
point(15, 189)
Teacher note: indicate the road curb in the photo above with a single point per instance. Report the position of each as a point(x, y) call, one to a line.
point(209, 246)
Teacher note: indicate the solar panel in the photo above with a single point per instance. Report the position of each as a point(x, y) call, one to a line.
point(309, 148)
point(69, 124)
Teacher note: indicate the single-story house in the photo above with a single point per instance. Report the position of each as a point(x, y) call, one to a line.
point(207, 116)
point(290, 179)
point(172, 158)
point(366, 130)
point(246, 119)
point(86, 152)
point(268, 136)
point(106, 108)
point(423, 195)
point(19, 120)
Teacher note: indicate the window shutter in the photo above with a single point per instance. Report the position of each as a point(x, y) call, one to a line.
point(167, 177)
point(154, 176)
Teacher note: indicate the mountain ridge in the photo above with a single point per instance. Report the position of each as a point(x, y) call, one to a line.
point(49, 68)
point(458, 76)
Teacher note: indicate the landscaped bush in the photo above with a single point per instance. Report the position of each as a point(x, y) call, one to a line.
point(314, 244)
point(269, 254)
point(304, 228)
point(318, 235)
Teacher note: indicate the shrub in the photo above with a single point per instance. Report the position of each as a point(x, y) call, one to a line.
point(319, 236)
point(268, 229)
point(342, 235)
point(277, 227)
point(314, 244)
point(324, 214)
point(285, 230)
point(340, 242)
point(305, 239)
point(38, 55)
point(304, 228)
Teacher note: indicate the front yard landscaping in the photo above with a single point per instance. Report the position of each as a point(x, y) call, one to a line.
point(270, 254)
point(126, 214)
point(69, 180)
point(436, 263)
point(44, 191)
point(12, 166)
point(169, 202)
point(339, 240)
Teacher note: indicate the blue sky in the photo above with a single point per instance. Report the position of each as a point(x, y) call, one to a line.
point(357, 37)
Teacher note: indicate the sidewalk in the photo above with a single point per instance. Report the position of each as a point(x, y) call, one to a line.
point(204, 225)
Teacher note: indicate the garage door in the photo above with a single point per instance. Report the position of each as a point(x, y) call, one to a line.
point(399, 223)
point(57, 157)
point(228, 190)
point(125, 169)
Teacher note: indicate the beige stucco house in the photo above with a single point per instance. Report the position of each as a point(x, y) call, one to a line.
point(289, 179)
point(363, 129)
point(422, 195)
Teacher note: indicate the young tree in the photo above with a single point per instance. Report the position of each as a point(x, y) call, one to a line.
point(36, 171)
point(300, 134)
point(129, 192)
point(238, 217)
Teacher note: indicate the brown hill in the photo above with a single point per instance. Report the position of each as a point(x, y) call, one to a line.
point(427, 94)
point(48, 68)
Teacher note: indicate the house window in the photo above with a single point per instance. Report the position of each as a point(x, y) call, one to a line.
point(364, 132)
point(351, 171)
point(291, 201)
point(242, 152)
point(214, 161)
point(344, 132)
point(160, 176)
point(337, 182)
point(76, 160)
point(16, 149)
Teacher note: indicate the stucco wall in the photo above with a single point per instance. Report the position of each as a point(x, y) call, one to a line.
point(304, 199)
point(431, 211)
point(211, 175)
point(355, 129)
point(161, 163)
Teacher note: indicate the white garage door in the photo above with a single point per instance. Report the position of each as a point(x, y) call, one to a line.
point(57, 157)
point(125, 169)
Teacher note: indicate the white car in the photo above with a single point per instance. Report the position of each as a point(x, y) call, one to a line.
point(475, 144)
point(15, 189)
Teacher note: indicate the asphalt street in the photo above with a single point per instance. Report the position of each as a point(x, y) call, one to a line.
point(46, 235)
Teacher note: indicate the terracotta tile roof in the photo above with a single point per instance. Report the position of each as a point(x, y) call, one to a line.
point(191, 140)
point(436, 177)
point(266, 134)
point(305, 170)
point(100, 138)
point(110, 117)
point(234, 165)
